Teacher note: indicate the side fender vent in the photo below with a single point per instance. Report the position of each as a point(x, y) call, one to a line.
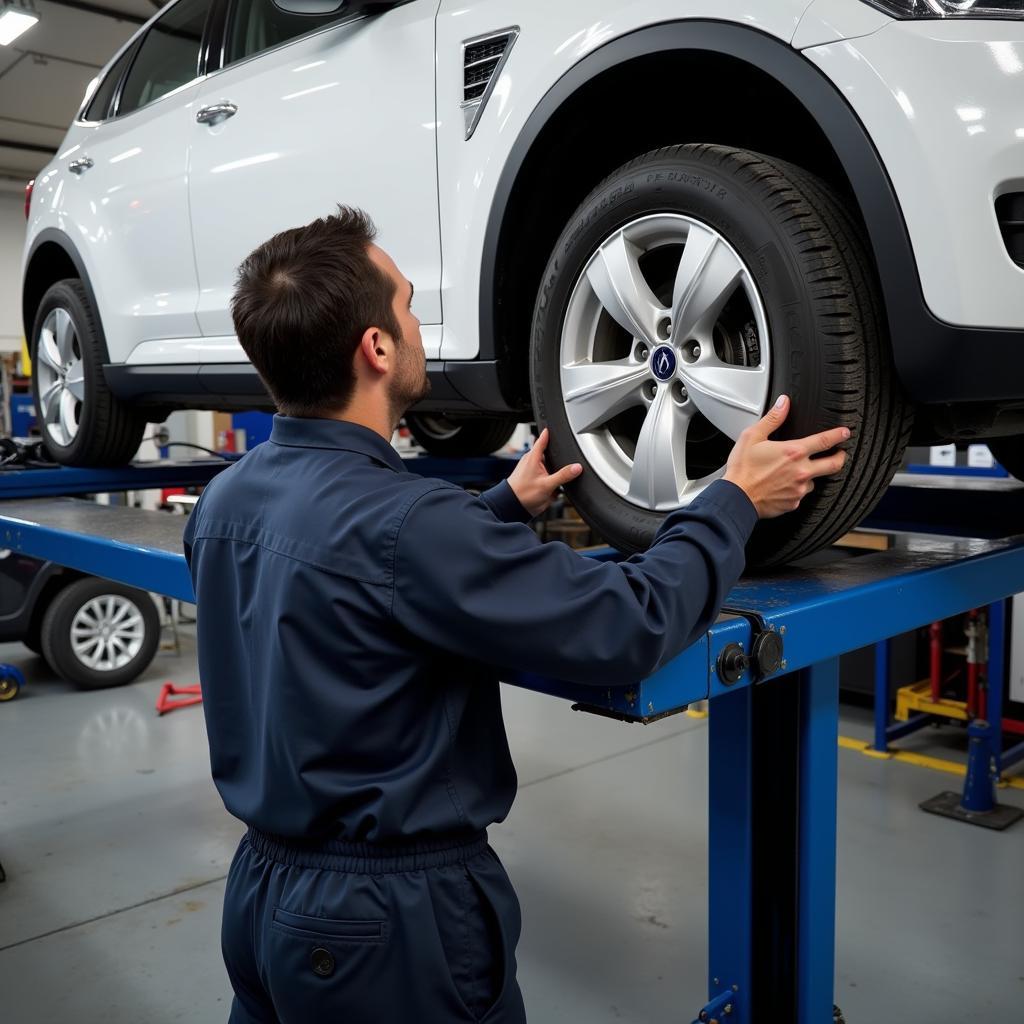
point(482, 60)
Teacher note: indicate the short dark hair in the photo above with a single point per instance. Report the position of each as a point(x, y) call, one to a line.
point(303, 301)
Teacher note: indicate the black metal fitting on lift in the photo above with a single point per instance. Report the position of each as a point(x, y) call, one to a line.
point(765, 656)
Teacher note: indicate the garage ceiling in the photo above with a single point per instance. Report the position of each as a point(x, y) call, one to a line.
point(44, 73)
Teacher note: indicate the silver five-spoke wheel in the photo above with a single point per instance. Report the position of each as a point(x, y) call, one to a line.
point(664, 347)
point(61, 376)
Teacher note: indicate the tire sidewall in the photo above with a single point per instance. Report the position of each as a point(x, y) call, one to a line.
point(684, 185)
point(56, 633)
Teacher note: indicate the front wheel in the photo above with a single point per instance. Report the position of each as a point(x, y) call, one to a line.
point(98, 633)
point(689, 290)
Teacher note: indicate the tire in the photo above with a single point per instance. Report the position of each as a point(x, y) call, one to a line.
point(32, 639)
point(87, 424)
point(89, 601)
point(440, 435)
point(1009, 453)
point(802, 317)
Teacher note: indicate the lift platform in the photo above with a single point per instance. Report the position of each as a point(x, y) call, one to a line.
point(770, 665)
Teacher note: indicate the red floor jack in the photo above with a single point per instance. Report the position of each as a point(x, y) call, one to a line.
point(172, 697)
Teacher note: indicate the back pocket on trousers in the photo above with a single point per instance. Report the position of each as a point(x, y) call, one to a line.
point(329, 928)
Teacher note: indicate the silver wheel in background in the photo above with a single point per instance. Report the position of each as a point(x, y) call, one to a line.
point(61, 376)
point(664, 349)
point(107, 632)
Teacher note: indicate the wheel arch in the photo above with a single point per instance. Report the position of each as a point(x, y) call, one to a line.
point(52, 258)
point(52, 579)
point(766, 96)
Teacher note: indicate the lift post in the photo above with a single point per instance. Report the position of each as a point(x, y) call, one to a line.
point(773, 724)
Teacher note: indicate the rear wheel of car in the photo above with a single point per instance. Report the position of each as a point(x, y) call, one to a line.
point(690, 289)
point(81, 422)
point(98, 633)
point(440, 435)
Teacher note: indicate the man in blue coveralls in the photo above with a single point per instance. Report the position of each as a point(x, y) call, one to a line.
point(354, 620)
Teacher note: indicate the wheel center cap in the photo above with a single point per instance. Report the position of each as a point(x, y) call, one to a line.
point(663, 362)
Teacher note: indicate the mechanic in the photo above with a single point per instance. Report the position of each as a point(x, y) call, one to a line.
point(354, 620)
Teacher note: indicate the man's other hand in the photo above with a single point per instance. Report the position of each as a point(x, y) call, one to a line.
point(531, 482)
point(778, 475)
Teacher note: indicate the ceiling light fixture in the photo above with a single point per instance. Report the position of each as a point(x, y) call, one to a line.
point(15, 18)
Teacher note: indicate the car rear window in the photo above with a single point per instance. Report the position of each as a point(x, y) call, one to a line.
point(99, 105)
point(168, 56)
point(257, 25)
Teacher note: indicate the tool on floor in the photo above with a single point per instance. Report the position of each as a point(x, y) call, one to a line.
point(173, 697)
point(11, 682)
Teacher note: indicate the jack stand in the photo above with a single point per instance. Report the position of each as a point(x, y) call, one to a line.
point(978, 804)
point(185, 695)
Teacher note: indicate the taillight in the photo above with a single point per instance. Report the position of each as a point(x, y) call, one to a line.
point(28, 196)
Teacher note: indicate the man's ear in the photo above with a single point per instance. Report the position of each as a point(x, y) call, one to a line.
point(373, 350)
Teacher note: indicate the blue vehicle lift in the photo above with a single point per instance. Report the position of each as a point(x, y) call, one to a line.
point(770, 665)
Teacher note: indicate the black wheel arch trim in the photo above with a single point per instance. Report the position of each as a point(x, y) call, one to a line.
point(14, 626)
point(936, 361)
point(63, 241)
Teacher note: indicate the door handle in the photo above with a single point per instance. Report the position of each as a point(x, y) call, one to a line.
point(81, 165)
point(216, 112)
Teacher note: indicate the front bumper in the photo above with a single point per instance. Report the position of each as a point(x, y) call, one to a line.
point(942, 103)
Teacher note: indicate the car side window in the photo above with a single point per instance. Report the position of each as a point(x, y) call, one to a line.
point(168, 56)
point(257, 25)
point(99, 105)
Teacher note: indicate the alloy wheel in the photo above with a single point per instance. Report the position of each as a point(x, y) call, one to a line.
point(107, 632)
point(664, 358)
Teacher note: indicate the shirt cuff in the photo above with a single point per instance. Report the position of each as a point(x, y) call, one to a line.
point(733, 501)
point(502, 501)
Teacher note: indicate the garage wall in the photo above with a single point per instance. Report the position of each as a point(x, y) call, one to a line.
point(12, 238)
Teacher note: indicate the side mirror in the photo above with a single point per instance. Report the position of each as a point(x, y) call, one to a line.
point(313, 7)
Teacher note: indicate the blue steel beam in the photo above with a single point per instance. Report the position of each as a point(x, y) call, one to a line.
point(816, 913)
point(139, 476)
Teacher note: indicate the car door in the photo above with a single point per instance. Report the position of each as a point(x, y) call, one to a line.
point(308, 113)
point(127, 191)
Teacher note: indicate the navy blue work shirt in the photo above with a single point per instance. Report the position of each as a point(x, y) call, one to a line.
point(354, 619)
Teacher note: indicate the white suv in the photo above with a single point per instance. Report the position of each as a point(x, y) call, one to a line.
point(633, 222)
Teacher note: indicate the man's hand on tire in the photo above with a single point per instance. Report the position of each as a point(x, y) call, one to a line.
point(533, 485)
point(778, 475)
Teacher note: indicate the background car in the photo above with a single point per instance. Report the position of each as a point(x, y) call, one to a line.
point(90, 631)
point(636, 224)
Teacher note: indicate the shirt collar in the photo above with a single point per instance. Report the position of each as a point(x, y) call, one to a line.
point(343, 435)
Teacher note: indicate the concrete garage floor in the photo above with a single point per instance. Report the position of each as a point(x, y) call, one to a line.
point(116, 847)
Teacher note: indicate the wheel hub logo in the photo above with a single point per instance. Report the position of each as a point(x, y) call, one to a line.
point(663, 363)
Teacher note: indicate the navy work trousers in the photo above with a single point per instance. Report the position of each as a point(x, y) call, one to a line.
point(357, 933)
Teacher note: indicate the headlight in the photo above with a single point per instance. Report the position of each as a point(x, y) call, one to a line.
point(950, 8)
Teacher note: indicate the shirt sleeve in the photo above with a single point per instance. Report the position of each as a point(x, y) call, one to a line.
point(502, 501)
point(492, 591)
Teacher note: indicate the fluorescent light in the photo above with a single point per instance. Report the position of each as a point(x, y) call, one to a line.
point(13, 22)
